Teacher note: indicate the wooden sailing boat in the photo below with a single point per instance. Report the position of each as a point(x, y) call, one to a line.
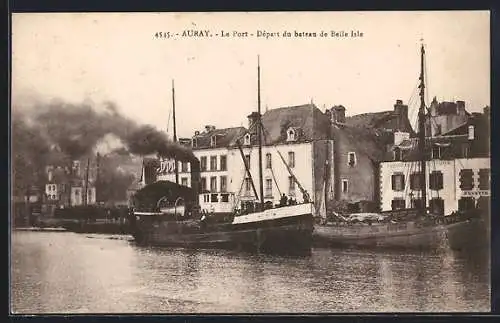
point(284, 229)
point(407, 228)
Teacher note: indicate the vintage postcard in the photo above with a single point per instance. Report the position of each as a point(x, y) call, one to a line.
point(244, 162)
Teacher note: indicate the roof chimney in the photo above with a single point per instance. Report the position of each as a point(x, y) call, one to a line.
point(252, 119)
point(209, 128)
point(402, 112)
point(461, 108)
point(338, 114)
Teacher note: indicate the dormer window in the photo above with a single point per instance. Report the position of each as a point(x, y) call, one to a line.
point(291, 135)
point(246, 139)
point(436, 152)
point(213, 141)
point(351, 159)
point(194, 143)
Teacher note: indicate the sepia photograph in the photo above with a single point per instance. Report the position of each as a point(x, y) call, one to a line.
point(250, 162)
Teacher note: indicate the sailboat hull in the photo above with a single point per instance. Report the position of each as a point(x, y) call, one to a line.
point(408, 235)
point(290, 234)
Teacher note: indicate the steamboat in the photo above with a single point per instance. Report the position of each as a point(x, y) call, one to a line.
point(169, 214)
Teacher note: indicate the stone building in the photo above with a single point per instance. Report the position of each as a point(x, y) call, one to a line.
point(360, 142)
point(298, 135)
point(457, 170)
point(445, 116)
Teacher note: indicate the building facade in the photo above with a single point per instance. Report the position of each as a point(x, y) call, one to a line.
point(444, 117)
point(457, 170)
point(294, 154)
point(360, 142)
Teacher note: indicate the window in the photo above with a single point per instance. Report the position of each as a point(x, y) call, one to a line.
point(206, 198)
point(291, 185)
point(465, 150)
point(213, 162)
point(269, 187)
point(223, 162)
point(203, 184)
point(194, 143)
point(268, 161)
point(214, 198)
point(345, 186)
point(397, 154)
point(184, 181)
point(351, 159)
point(466, 203)
point(213, 141)
point(436, 152)
point(213, 184)
point(247, 161)
point(291, 135)
point(203, 163)
point(398, 182)
point(246, 139)
point(436, 180)
point(466, 179)
point(225, 197)
point(437, 206)
point(416, 181)
point(184, 167)
point(223, 183)
point(291, 159)
point(484, 179)
point(248, 185)
point(398, 204)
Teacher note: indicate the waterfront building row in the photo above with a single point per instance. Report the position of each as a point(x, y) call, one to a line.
point(349, 157)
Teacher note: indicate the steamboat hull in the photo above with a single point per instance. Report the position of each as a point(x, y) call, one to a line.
point(288, 235)
point(409, 235)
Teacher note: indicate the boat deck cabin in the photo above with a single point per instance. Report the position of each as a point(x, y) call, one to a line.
point(217, 202)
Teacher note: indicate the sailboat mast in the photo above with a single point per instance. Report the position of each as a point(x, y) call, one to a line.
point(176, 168)
point(259, 134)
point(421, 130)
point(97, 176)
point(85, 202)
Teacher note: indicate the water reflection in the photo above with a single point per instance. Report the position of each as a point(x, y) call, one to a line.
point(65, 272)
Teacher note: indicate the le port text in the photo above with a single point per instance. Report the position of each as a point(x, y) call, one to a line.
point(259, 34)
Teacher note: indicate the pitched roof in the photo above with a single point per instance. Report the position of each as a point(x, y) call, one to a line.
point(370, 141)
point(224, 137)
point(380, 120)
point(307, 120)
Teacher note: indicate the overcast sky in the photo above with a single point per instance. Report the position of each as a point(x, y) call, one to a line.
point(115, 57)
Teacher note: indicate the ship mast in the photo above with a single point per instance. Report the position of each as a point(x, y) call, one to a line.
point(176, 169)
point(85, 201)
point(259, 135)
point(421, 131)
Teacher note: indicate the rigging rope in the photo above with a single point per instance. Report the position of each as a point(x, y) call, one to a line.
point(168, 120)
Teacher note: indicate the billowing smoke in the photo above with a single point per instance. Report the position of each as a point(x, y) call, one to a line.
point(77, 129)
point(147, 140)
point(56, 133)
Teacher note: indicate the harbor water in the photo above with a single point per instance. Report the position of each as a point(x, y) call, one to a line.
point(63, 272)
